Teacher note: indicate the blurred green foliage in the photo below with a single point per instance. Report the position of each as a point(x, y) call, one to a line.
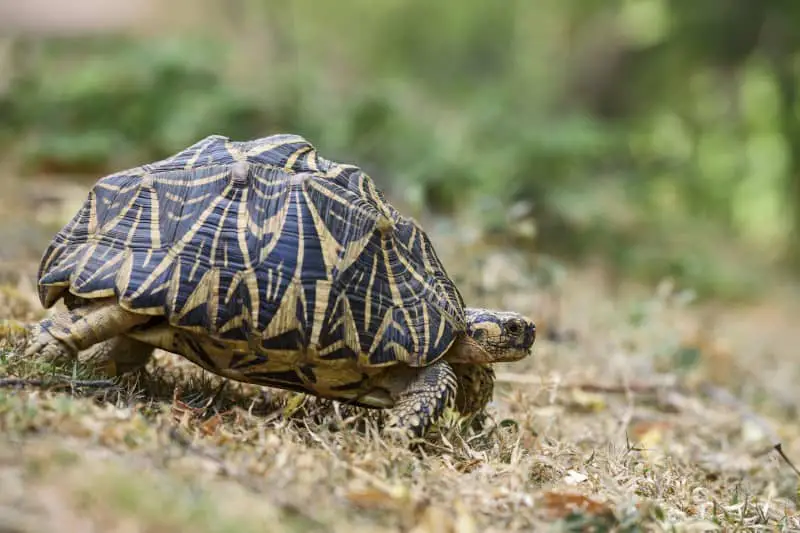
point(662, 134)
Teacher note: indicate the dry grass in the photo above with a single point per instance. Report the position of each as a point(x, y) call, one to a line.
point(620, 421)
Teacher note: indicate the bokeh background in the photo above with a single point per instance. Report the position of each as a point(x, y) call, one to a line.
point(661, 137)
point(626, 172)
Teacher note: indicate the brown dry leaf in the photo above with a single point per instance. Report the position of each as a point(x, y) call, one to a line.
point(466, 467)
point(649, 433)
point(182, 413)
point(210, 426)
point(372, 498)
point(562, 504)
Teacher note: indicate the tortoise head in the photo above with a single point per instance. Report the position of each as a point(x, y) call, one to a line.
point(494, 337)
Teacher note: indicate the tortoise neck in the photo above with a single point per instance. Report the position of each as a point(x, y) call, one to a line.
point(467, 350)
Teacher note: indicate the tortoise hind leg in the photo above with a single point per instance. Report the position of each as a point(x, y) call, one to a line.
point(423, 399)
point(65, 334)
point(119, 355)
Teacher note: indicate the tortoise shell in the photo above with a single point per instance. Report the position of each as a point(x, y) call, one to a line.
point(262, 242)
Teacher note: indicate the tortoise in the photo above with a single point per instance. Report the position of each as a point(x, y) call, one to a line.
point(263, 262)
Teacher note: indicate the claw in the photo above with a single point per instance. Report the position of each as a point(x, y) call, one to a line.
point(398, 434)
point(47, 348)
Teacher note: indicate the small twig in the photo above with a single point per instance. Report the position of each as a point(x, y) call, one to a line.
point(524, 379)
point(630, 405)
point(779, 448)
point(629, 447)
point(216, 397)
point(726, 398)
point(43, 383)
point(636, 388)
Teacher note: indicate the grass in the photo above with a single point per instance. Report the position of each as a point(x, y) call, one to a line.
point(634, 414)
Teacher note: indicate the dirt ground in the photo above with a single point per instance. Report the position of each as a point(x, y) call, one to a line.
point(639, 411)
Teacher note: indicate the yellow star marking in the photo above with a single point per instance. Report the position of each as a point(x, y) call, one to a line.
point(330, 247)
point(92, 225)
point(292, 159)
point(247, 277)
point(105, 267)
point(166, 179)
point(285, 318)
point(199, 147)
point(322, 293)
point(258, 150)
point(272, 226)
point(88, 250)
point(134, 229)
point(440, 331)
point(120, 216)
point(300, 236)
point(242, 220)
point(368, 297)
point(197, 200)
point(124, 274)
point(174, 288)
point(397, 298)
point(215, 242)
point(148, 257)
point(348, 322)
point(177, 248)
point(201, 295)
point(313, 161)
point(400, 352)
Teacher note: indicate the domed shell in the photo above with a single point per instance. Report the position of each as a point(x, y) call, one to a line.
point(262, 241)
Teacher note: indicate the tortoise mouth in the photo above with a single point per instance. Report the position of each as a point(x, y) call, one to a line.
point(468, 350)
point(513, 354)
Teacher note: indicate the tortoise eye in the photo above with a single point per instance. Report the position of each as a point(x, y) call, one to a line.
point(514, 328)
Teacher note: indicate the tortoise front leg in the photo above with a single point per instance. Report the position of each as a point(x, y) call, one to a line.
point(475, 388)
point(65, 334)
point(118, 355)
point(423, 399)
point(475, 391)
